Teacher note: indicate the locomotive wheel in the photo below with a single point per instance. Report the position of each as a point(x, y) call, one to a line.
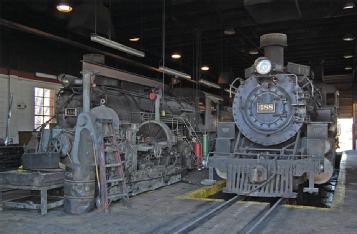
point(55, 146)
point(325, 176)
point(221, 174)
point(156, 133)
point(61, 144)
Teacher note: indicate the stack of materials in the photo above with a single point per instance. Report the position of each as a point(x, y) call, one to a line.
point(10, 157)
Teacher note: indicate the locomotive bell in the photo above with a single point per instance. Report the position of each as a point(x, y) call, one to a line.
point(273, 45)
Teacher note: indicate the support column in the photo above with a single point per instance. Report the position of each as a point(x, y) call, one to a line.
point(86, 91)
point(157, 107)
point(1, 205)
point(210, 173)
point(354, 125)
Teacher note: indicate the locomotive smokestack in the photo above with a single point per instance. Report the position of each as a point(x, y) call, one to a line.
point(273, 45)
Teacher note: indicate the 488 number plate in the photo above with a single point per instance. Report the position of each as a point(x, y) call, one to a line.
point(266, 108)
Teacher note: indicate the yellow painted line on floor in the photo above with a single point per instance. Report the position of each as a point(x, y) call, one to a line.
point(204, 193)
point(253, 202)
point(200, 199)
point(306, 207)
point(339, 195)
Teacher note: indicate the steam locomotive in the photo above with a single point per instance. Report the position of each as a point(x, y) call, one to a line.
point(284, 129)
point(104, 116)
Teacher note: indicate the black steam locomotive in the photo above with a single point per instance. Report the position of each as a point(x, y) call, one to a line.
point(107, 121)
point(284, 129)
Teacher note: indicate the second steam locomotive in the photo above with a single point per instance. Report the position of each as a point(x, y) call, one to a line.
point(284, 129)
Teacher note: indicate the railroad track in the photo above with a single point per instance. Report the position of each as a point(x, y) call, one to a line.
point(253, 226)
point(256, 224)
point(207, 215)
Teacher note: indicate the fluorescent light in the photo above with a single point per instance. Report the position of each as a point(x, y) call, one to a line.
point(173, 72)
point(64, 7)
point(209, 84)
point(176, 56)
point(115, 45)
point(229, 31)
point(44, 75)
point(348, 68)
point(253, 52)
point(134, 39)
point(348, 37)
point(205, 68)
point(349, 5)
point(348, 56)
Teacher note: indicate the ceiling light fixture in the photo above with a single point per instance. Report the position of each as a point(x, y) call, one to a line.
point(209, 84)
point(348, 68)
point(253, 52)
point(173, 72)
point(348, 37)
point(64, 6)
point(349, 5)
point(134, 39)
point(205, 68)
point(229, 31)
point(115, 45)
point(45, 75)
point(348, 56)
point(176, 55)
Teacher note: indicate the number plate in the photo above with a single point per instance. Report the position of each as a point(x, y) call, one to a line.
point(70, 112)
point(265, 107)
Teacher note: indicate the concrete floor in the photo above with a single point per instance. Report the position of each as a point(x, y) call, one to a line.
point(152, 212)
point(342, 218)
point(160, 211)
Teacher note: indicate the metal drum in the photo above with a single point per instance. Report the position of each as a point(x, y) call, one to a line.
point(79, 190)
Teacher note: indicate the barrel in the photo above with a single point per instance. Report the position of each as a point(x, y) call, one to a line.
point(79, 189)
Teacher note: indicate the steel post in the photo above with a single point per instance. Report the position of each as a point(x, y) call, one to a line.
point(86, 91)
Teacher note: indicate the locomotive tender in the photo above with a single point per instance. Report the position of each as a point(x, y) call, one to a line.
point(284, 129)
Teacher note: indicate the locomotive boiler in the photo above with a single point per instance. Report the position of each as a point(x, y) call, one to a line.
point(284, 129)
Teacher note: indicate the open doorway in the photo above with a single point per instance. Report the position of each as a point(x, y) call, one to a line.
point(344, 132)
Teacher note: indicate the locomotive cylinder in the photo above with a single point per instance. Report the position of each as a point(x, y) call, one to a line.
point(273, 45)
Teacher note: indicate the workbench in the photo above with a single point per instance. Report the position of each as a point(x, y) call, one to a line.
point(42, 181)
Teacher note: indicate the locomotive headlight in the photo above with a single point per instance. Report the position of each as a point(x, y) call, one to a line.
point(262, 66)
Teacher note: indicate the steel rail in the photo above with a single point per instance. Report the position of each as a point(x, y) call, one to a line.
point(193, 224)
point(255, 224)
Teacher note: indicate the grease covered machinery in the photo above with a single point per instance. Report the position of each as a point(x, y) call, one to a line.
point(284, 129)
point(110, 111)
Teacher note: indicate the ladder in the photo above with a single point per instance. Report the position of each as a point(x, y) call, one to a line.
point(112, 184)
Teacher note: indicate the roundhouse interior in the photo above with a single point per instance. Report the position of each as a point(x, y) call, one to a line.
point(150, 116)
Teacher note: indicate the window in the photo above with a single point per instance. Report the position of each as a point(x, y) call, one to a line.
point(44, 106)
